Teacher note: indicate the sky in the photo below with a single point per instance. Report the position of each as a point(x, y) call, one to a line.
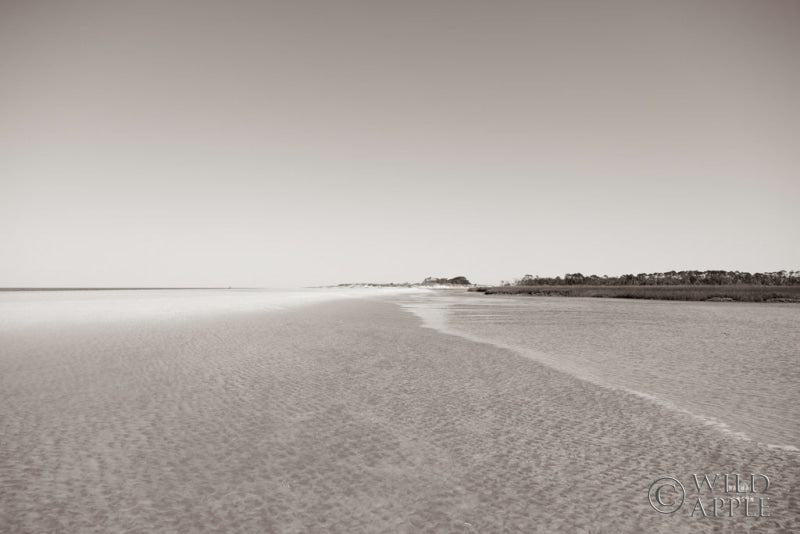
point(279, 144)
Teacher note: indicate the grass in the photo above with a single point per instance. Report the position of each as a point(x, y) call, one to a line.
point(738, 292)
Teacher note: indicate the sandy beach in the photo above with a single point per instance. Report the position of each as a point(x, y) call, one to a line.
point(345, 416)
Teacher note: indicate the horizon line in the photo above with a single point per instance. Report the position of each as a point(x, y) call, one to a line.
point(124, 288)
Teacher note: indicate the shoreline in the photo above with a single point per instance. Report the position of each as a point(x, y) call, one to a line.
point(440, 324)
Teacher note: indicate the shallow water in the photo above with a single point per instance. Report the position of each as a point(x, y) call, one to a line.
point(22, 309)
point(735, 366)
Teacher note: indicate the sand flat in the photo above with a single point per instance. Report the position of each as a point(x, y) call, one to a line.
point(340, 417)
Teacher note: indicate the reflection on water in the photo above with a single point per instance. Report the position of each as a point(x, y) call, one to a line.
point(733, 365)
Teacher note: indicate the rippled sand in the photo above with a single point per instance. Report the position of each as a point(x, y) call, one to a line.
point(340, 417)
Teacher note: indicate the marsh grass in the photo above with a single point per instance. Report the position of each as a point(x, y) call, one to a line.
point(738, 292)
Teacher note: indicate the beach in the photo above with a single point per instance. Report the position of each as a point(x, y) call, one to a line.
point(349, 415)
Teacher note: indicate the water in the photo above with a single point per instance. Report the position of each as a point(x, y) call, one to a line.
point(37, 309)
point(731, 365)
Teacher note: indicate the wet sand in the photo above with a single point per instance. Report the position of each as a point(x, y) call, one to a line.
point(345, 416)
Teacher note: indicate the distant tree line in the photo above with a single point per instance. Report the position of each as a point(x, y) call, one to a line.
point(670, 278)
point(458, 280)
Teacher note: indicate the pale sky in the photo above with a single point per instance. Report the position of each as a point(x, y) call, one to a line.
point(158, 143)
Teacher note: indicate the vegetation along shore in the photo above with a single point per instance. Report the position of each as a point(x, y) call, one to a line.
point(781, 286)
